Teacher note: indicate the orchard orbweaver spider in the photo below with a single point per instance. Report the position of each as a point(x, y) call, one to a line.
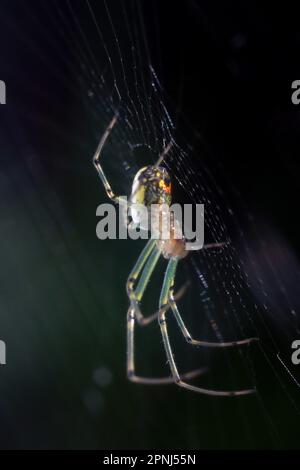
point(152, 185)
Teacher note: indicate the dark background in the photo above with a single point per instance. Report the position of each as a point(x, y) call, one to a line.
point(227, 67)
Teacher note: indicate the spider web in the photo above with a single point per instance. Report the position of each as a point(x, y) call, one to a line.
point(238, 291)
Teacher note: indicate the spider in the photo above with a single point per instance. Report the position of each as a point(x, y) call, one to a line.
point(152, 185)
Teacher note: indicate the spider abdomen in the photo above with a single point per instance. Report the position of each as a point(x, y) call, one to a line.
point(151, 185)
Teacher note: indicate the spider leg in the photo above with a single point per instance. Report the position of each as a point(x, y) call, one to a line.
point(179, 380)
point(149, 257)
point(97, 165)
point(131, 361)
point(146, 264)
point(195, 342)
point(177, 296)
point(164, 153)
point(214, 245)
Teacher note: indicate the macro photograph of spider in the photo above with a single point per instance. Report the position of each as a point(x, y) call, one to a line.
point(149, 244)
point(152, 185)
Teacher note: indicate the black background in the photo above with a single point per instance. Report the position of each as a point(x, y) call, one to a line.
point(228, 68)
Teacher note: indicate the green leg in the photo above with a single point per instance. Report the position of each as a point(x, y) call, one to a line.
point(145, 264)
point(97, 165)
point(164, 299)
point(146, 274)
point(149, 256)
point(194, 342)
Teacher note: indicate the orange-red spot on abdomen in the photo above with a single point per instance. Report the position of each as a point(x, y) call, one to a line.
point(165, 187)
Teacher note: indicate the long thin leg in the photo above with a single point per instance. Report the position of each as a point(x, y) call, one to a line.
point(137, 294)
point(147, 261)
point(131, 361)
point(135, 272)
point(164, 153)
point(146, 264)
point(96, 162)
point(165, 293)
point(194, 342)
point(208, 246)
point(179, 294)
